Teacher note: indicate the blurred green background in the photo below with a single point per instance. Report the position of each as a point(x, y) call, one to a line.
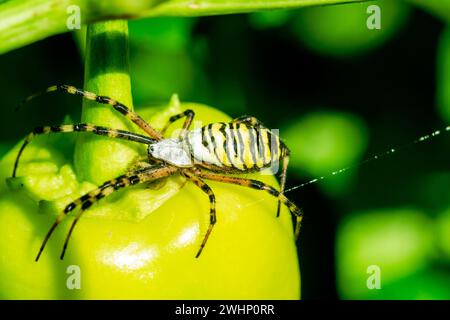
point(338, 92)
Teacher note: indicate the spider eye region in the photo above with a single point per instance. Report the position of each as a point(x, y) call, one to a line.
point(172, 151)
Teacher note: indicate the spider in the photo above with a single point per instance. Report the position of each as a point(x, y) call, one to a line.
point(214, 152)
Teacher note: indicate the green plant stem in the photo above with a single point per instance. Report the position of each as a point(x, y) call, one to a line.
point(25, 21)
point(106, 73)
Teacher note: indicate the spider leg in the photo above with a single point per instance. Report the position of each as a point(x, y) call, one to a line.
point(258, 185)
point(212, 211)
point(82, 127)
point(87, 200)
point(250, 120)
point(124, 110)
point(189, 114)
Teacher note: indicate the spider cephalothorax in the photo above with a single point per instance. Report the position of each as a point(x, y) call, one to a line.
point(212, 152)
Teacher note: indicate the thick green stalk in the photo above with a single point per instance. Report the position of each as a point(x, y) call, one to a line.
point(106, 73)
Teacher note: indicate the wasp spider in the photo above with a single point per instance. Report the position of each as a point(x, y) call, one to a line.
point(213, 152)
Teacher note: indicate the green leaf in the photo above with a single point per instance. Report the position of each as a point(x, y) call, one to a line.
point(25, 21)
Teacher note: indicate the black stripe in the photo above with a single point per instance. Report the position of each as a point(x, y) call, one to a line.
point(101, 130)
point(260, 143)
point(56, 128)
point(252, 145)
point(121, 108)
point(134, 179)
point(176, 117)
point(100, 195)
point(38, 130)
point(80, 127)
point(102, 99)
point(107, 184)
point(257, 140)
point(213, 141)
point(273, 192)
point(233, 138)
point(274, 153)
point(85, 197)
point(70, 207)
point(256, 184)
point(119, 184)
point(86, 205)
point(62, 87)
point(204, 140)
point(269, 144)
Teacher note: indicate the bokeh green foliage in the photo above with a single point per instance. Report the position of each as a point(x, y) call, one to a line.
point(443, 75)
point(342, 31)
point(326, 140)
point(409, 243)
point(161, 45)
point(403, 243)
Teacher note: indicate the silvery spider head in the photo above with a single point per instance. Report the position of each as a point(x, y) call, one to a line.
point(173, 151)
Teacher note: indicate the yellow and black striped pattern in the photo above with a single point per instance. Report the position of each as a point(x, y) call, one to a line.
point(235, 145)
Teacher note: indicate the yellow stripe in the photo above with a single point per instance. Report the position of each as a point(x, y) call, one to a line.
point(234, 141)
point(112, 102)
point(108, 191)
point(71, 90)
point(248, 160)
point(262, 147)
point(66, 128)
point(52, 88)
point(219, 140)
point(89, 128)
point(233, 144)
point(90, 95)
